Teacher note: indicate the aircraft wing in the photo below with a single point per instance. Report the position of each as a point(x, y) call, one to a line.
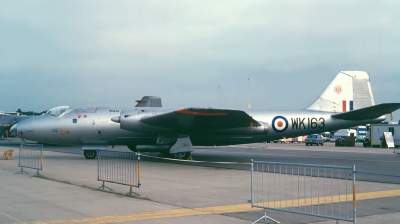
point(202, 119)
point(368, 112)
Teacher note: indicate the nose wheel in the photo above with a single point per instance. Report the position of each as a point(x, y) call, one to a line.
point(90, 154)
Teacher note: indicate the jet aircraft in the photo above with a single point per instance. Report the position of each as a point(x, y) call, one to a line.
point(347, 101)
point(7, 120)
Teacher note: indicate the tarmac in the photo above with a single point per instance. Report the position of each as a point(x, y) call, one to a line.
point(170, 193)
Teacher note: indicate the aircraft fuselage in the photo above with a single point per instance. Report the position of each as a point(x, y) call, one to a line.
point(79, 127)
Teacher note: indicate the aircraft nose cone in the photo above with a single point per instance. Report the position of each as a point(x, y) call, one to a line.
point(14, 129)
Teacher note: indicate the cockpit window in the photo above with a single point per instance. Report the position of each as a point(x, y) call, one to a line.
point(85, 110)
point(57, 111)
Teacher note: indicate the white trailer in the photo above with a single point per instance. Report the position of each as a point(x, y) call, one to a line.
point(377, 131)
point(345, 133)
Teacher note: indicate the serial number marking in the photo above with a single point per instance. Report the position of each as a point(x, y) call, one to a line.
point(113, 111)
point(308, 123)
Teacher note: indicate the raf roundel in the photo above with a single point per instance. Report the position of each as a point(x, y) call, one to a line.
point(338, 89)
point(279, 124)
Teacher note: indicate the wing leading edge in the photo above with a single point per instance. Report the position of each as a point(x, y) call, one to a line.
point(371, 112)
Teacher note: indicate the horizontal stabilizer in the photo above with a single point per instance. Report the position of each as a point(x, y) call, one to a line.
point(371, 112)
point(149, 101)
point(202, 119)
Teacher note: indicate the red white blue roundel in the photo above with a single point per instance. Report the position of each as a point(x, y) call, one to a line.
point(279, 124)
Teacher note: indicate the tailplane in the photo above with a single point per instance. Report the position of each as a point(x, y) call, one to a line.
point(349, 90)
point(149, 101)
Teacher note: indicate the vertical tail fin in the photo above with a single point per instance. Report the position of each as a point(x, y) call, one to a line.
point(349, 90)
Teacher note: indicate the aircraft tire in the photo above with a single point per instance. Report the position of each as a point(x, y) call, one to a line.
point(317, 144)
point(306, 144)
point(90, 154)
point(322, 144)
point(180, 155)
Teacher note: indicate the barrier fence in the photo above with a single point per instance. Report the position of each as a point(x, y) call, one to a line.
point(119, 168)
point(30, 156)
point(396, 149)
point(315, 190)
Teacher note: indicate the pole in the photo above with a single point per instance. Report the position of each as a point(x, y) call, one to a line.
point(354, 196)
point(251, 185)
point(138, 169)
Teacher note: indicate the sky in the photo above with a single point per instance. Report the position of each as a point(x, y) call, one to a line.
point(273, 54)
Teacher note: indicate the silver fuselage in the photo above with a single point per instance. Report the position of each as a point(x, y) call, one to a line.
point(75, 127)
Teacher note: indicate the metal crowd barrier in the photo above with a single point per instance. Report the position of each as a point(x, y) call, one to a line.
point(119, 168)
point(30, 156)
point(396, 149)
point(315, 190)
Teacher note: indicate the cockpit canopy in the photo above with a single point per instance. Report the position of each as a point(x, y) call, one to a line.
point(61, 110)
point(57, 111)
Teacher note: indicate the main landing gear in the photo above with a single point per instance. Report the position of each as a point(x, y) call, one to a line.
point(178, 155)
point(90, 154)
point(181, 155)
